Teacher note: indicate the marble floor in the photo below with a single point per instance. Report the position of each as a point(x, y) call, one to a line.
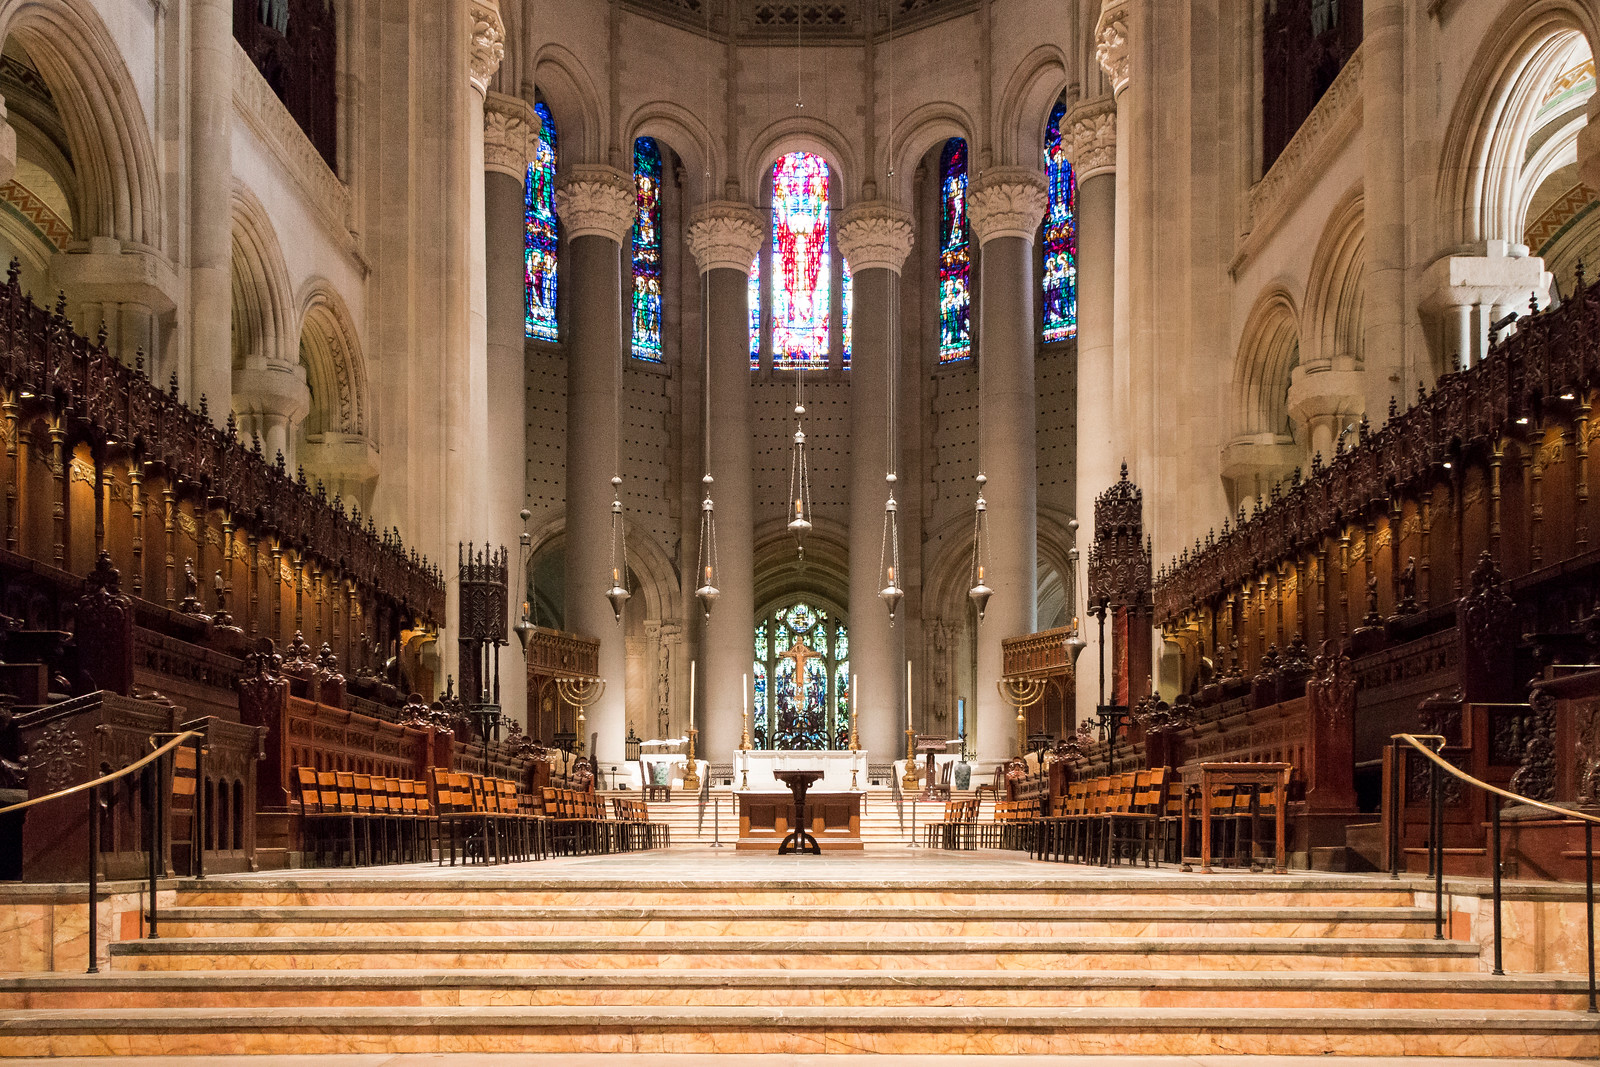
point(667, 1060)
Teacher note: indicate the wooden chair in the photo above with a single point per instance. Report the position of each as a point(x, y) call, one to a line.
point(1133, 823)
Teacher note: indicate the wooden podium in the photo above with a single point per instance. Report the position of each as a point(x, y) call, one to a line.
point(764, 820)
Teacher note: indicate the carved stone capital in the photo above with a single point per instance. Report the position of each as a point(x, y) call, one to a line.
point(875, 235)
point(488, 42)
point(595, 199)
point(1089, 138)
point(1007, 202)
point(510, 134)
point(725, 234)
point(1111, 43)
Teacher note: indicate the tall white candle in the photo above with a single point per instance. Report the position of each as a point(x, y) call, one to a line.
point(746, 696)
point(908, 694)
point(691, 694)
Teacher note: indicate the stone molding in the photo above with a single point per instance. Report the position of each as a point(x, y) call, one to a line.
point(1007, 202)
point(271, 388)
point(1089, 138)
point(725, 235)
point(875, 235)
point(1111, 43)
point(264, 113)
point(510, 135)
point(1311, 148)
point(488, 42)
point(597, 200)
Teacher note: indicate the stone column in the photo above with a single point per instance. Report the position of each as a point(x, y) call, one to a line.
point(1006, 205)
point(1111, 49)
point(1387, 368)
point(209, 369)
point(875, 237)
point(510, 133)
point(724, 237)
point(1089, 136)
point(1465, 295)
point(596, 205)
point(271, 400)
point(134, 294)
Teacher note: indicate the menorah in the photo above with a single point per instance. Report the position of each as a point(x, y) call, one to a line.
point(1021, 693)
point(580, 693)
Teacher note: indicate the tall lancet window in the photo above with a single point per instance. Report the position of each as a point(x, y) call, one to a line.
point(847, 301)
point(753, 296)
point(540, 231)
point(955, 257)
point(647, 250)
point(1060, 237)
point(802, 680)
point(800, 257)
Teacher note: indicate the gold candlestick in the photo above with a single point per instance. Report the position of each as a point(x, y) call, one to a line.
point(855, 748)
point(691, 774)
point(909, 780)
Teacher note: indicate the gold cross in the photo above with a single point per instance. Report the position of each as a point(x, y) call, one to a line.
point(800, 653)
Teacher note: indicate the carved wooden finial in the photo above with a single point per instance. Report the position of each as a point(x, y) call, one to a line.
point(172, 386)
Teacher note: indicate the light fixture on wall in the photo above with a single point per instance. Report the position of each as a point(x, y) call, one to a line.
point(980, 591)
point(618, 593)
point(708, 592)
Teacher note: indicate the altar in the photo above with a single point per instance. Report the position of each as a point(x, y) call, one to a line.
point(836, 766)
point(834, 819)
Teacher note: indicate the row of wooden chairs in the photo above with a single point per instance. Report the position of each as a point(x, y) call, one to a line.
point(364, 818)
point(492, 821)
point(957, 830)
point(635, 830)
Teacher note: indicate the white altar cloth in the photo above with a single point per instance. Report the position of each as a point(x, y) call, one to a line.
point(835, 766)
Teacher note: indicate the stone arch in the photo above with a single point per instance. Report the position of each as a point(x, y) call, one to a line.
point(914, 136)
point(1032, 90)
point(1486, 139)
point(1332, 333)
point(803, 135)
point(1269, 351)
point(264, 322)
point(336, 371)
point(703, 163)
point(107, 133)
point(574, 103)
point(825, 576)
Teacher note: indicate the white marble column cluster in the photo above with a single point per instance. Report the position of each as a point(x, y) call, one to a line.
point(724, 237)
point(1006, 206)
point(1468, 294)
point(210, 183)
point(1089, 136)
point(510, 137)
point(596, 206)
point(875, 238)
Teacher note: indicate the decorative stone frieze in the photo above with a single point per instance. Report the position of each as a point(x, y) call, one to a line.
point(875, 235)
point(725, 234)
point(1111, 43)
point(597, 200)
point(510, 134)
point(1007, 202)
point(488, 42)
point(1089, 138)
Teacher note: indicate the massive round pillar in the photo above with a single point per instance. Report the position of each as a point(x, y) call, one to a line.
point(209, 369)
point(875, 238)
point(1005, 206)
point(596, 205)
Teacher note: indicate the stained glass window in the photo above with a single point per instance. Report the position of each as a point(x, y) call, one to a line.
point(846, 306)
point(800, 256)
point(753, 297)
point(811, 709)
point(955, 259)
point(1060, 237)
point(539, 239)
point(647, 250)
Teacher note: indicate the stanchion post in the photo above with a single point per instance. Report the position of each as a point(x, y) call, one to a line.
point(94, 879)
point(1494, 829)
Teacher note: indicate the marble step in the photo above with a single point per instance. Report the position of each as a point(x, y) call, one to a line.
point(915, 954)
point(777, 920)
point(1501, 1035)
point(802, 988)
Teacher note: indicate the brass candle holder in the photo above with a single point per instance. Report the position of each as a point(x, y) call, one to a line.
point(909, 780)
point(855, 748)
point(691, 773)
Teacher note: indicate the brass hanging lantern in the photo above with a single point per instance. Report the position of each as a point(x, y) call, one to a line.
point(890, 592)
point(980, 591)
point(708, 592)
point(618, 593)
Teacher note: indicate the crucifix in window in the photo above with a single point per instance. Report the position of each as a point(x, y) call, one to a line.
point(799, 652)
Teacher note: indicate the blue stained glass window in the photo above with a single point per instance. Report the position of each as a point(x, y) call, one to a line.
point(955, 258)
point(1060, 237)
point(647, 250)
point(813, 711)
point(800, 261)
point(753, 297)
point(846, 306)
point(539, 235)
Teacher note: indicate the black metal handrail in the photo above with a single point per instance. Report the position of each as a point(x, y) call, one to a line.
point(1436, 763)
point(150, 782)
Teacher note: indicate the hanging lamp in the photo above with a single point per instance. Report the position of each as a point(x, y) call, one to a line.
point(524, 628)
point(618, 593)
point(980, 591)
point(890, 592)
point(708, 592)
point(799, 477)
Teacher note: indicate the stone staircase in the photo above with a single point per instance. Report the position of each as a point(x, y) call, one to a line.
point(982, 960)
